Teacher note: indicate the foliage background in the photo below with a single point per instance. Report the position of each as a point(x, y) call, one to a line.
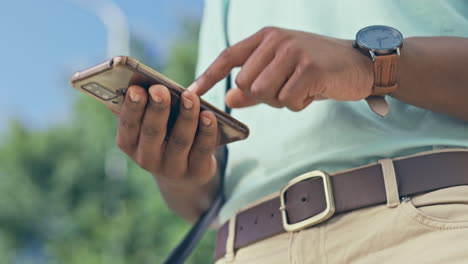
point(69, 195)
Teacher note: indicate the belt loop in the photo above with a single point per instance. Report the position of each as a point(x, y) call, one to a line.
point(391, 185)
point(230, 240)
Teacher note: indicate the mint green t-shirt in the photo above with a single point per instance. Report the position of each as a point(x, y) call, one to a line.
point(327, 135)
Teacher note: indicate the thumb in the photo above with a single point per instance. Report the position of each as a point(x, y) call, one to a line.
point(236, 98)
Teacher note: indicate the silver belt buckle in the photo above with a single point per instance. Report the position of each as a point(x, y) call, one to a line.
point(313, 220)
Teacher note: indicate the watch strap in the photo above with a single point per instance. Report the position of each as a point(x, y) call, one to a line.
point(385, 74)
point(378, 104)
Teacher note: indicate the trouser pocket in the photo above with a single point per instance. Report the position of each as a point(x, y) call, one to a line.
point(442, 209)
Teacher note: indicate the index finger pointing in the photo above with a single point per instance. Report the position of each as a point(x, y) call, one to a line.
point(231, 57)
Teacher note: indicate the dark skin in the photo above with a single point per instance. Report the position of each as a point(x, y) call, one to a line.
point(281, 68)
point(184, 166)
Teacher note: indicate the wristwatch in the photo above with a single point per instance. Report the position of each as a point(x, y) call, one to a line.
point(382, 44)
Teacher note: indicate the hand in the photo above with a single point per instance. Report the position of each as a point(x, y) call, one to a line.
point(285, 68)
point(185, 160)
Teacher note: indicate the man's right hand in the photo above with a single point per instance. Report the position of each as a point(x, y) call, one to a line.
point(185, 162)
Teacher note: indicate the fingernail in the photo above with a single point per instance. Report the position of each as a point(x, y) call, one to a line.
point(192, 87)
point(134, 97)
point(186, 102)
point(206, 121)
point(154, 96)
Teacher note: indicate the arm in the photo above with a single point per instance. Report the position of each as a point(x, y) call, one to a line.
point(285, 68)
point(185, 170)
point(433, 74)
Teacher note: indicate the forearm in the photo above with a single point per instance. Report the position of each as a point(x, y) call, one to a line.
point(433, 74)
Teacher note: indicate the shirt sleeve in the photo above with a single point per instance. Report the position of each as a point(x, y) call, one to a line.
point(211, 44)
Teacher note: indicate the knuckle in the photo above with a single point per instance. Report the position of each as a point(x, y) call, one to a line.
point(187, 115)
point(265, 30)
point(133, 107)
point(288, 47)
point(222, 64)
point(301, 71)
point(203, 150)
point(295, 107)
point(275, 103)
point(157, 108)
point(271, 32)
point(208, 132)
point(180, 143)
point(223, 67)
point(226, 54)
point(284, 98)
point(137, 110)
point(291, 101)
point(257, 90)
point(241, 81)
point(306, 64)
point(151, 131)
point(127, 123)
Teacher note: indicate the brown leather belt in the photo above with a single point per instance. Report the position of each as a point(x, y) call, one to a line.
point(352, 189)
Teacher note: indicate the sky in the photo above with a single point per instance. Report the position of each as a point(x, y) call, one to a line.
point(44, 42)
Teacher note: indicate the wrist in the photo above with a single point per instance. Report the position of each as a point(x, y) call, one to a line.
point(365, 66)
point(382, 45)
point(404, 65)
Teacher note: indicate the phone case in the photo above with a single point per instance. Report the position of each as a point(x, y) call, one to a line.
point(114, 76)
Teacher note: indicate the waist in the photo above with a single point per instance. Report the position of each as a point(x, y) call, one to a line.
point(252, 176)
point(314, 197)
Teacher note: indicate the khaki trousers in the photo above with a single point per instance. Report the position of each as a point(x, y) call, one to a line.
point(427, 228)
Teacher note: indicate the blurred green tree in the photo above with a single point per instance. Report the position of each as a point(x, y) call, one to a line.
point(69, 195)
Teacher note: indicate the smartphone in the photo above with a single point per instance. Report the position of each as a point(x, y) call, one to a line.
point(108, 82)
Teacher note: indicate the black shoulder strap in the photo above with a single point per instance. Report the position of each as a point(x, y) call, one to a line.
point(191, 239)
point(228, 44)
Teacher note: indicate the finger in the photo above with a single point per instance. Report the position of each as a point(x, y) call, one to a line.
point(182, 135)
point(255, 64)
point(153, 128)
point(268, 84)
point(294, 93)
point(236, 98)
point(130, 118)
point(231, 57)
point(201, 162)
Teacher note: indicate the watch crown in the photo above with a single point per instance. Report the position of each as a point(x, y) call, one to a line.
point(372, 54)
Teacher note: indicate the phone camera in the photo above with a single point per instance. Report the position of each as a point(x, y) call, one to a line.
point(100, 91)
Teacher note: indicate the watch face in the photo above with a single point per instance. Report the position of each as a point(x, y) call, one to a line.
point(379, 38)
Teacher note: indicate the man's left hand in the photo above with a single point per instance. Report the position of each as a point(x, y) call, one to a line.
point(286, 68)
